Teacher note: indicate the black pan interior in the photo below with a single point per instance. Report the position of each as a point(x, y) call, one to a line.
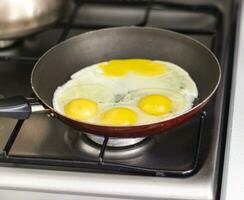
point(56, 66)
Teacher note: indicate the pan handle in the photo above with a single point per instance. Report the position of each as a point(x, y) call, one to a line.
point(19, 107)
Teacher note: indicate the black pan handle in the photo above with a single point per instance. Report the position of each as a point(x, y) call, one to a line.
point(19, 107)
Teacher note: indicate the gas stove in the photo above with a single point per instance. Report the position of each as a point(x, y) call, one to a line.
point(187, 156)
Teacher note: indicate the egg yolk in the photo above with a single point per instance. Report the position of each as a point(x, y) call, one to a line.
point(80, 109)
point(155, 104)
point(119, 117)
point(141, 67)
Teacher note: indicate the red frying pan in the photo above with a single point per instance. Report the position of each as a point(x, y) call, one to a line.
point(55, 67)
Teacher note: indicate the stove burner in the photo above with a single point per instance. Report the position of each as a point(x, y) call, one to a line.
point(6, 43)
point(115, 142)
point(84, 145)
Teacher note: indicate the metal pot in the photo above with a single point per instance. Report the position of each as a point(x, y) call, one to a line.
point(21, 18)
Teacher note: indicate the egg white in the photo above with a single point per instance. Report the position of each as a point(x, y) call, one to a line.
point(109, 92)
point(180, 104)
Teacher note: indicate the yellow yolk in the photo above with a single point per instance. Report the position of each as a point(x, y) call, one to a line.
point(141, 67)
point(155, 104)
point(80, 109)
point(119, 117)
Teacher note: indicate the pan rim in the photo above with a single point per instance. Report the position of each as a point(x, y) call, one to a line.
point(196, 107)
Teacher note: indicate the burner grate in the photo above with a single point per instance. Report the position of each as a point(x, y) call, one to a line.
point(101, 163)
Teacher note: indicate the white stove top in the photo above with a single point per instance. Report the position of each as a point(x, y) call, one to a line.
point(233, 179)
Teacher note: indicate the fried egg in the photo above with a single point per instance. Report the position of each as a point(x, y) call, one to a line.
point(126, 92)
point(155, 105)
point(118, 116)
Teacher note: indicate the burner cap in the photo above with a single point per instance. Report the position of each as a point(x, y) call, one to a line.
point(114, 142)
point(85, 144)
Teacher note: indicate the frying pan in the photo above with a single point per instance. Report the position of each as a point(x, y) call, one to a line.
point(56, 66)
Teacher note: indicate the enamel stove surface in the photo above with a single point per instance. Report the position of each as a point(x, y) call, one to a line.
point(43, 148)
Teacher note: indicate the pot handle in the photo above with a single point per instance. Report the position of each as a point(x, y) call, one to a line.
point(19, 107)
